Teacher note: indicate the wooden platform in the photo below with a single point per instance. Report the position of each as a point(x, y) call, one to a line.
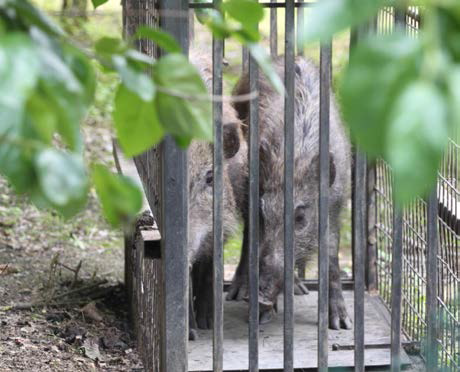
point(377, 338)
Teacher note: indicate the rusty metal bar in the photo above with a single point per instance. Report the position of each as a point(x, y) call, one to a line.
point(217, 198)
point(323, 205)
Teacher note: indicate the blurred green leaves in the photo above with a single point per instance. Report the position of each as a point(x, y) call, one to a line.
point(239, 19)
point(162, 39)
point(379, 69)
point(62, 179)
point(156, 97)
point(330, 16)
point(400, 95)
point(97, 3)
point(258, 52)
point(136, 122)
point(45, 89)
point(47, 85)
point(189, 115)
point(416, 138)
point(401, 99)
point(120, 197)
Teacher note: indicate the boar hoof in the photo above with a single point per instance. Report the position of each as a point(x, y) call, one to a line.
point(338, 316)
point(265, 316)
point(192, 335)
point(238, 291)
point(204, 321)
point(266, 310)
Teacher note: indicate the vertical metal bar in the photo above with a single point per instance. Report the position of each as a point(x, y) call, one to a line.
point(273, 31)
point(289, 243)
point(218, 253)
point(174, 200)
point(396, 261)
point(370, 234)
point(396, 273)
point(400, 19)
point(300, 24)
point(253, 158)
point(371, 238)
point(360, 224)
point(191, 26)
point(245, 59)
point(353, 41)
point(359, 212)
point(432, 283)
point(323, 205)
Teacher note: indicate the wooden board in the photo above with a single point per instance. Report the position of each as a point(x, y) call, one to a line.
point(126, 167)
point(377, 338)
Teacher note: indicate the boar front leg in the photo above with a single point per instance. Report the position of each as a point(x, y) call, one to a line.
point(338, 315)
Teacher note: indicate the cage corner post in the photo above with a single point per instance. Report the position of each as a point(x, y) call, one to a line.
point(174, 19)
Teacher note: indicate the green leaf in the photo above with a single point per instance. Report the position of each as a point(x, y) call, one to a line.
point(213, 19)
point(330, 16)
point(416, 138)
point(263, 60)
point(83, 71)
point(161, 38)
point(182, 117)
point(140, 59)
point(68, 82)
point(448, 22)
point(120, 197)
point(216, 23)
point(15, 161)
point(379, 70)
point(41, 116)
point(19, 69)
point(248, 12)
point(63, 180)
point(183, 142)
point(135, 80)
point(136, 122)
point(97, 3)
point(203, 15)
point(454, 99)
point(32, 16)
point(110, 45)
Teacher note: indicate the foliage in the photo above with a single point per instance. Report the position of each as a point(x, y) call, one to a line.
point(239, 19)
point(400, 94)
point(47, 85)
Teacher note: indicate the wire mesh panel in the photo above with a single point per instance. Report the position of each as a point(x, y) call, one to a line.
point(449, 258)
point(416, 279)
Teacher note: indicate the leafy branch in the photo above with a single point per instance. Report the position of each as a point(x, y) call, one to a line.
point(400, 95)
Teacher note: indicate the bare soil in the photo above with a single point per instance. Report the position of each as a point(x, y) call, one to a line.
point(55, 316)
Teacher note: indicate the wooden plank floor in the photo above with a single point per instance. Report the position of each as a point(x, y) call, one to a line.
point(377, 338)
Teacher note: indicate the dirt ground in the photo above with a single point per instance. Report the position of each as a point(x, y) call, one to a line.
point(71, 336)
point(65, 276)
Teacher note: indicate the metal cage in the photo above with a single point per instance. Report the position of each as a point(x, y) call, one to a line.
point(421, 277)
point(409, 258)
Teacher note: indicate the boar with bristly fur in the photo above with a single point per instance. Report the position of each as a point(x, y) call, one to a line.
point(306, 180)
point(200, 177)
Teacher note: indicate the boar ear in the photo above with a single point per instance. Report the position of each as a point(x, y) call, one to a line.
point(315, 165)
point(231, 140)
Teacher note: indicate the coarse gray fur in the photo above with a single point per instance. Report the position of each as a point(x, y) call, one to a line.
point(200, 177)
point(306, 179)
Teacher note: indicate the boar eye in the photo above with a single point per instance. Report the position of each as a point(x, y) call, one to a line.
point(209, 177)
point(300, 214)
